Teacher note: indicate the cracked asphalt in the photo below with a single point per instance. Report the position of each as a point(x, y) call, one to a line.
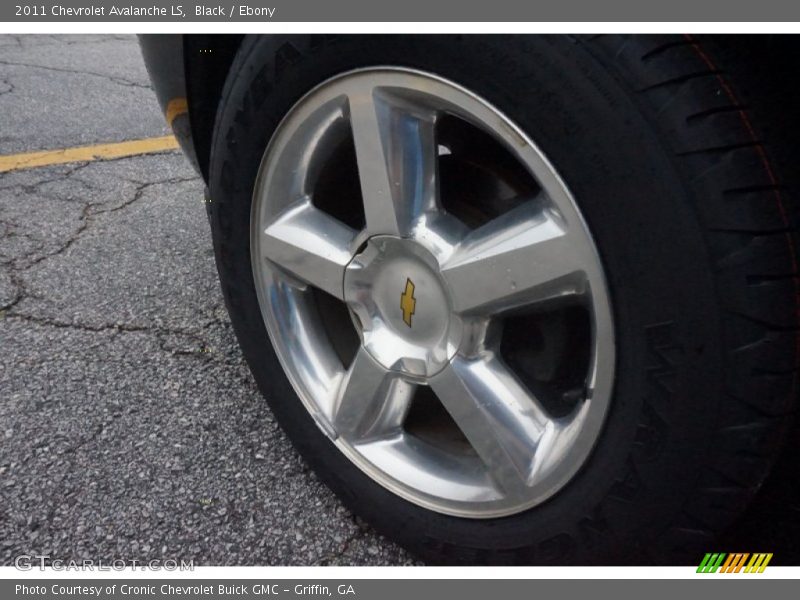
point(130, 427)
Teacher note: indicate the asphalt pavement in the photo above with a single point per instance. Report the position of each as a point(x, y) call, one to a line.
point(130, 427)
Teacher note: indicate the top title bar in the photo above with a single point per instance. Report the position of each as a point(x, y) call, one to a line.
point(441, 11)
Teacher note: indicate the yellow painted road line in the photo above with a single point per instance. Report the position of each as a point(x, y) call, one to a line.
point(30, 160)
point(175, 108)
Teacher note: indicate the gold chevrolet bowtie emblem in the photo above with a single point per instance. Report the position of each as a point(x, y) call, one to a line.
point(407, 302)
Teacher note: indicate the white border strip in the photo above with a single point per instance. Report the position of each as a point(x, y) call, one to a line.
point(396, 27)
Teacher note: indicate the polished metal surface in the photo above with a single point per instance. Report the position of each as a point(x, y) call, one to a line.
point(401, 307)
point(424, 291)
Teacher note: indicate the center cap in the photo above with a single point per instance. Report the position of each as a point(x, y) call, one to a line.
point(401, 306)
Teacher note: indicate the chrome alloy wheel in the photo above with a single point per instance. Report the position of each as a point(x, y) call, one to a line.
point(430, 291)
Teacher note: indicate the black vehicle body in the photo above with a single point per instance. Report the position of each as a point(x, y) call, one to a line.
point(189, 72)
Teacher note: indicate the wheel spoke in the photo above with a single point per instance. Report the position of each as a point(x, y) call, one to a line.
point(310, 245)
point(372, 401)
point(396, 156)
point(500, 418)
point(523, 257)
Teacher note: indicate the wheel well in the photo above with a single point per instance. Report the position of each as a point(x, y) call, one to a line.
point(208, 59)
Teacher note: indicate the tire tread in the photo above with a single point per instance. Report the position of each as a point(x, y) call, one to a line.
point(752, 230)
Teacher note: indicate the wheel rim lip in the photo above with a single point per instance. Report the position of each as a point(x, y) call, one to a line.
point(270, 282)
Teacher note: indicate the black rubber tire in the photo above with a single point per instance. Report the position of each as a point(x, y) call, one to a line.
point(697, 236)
